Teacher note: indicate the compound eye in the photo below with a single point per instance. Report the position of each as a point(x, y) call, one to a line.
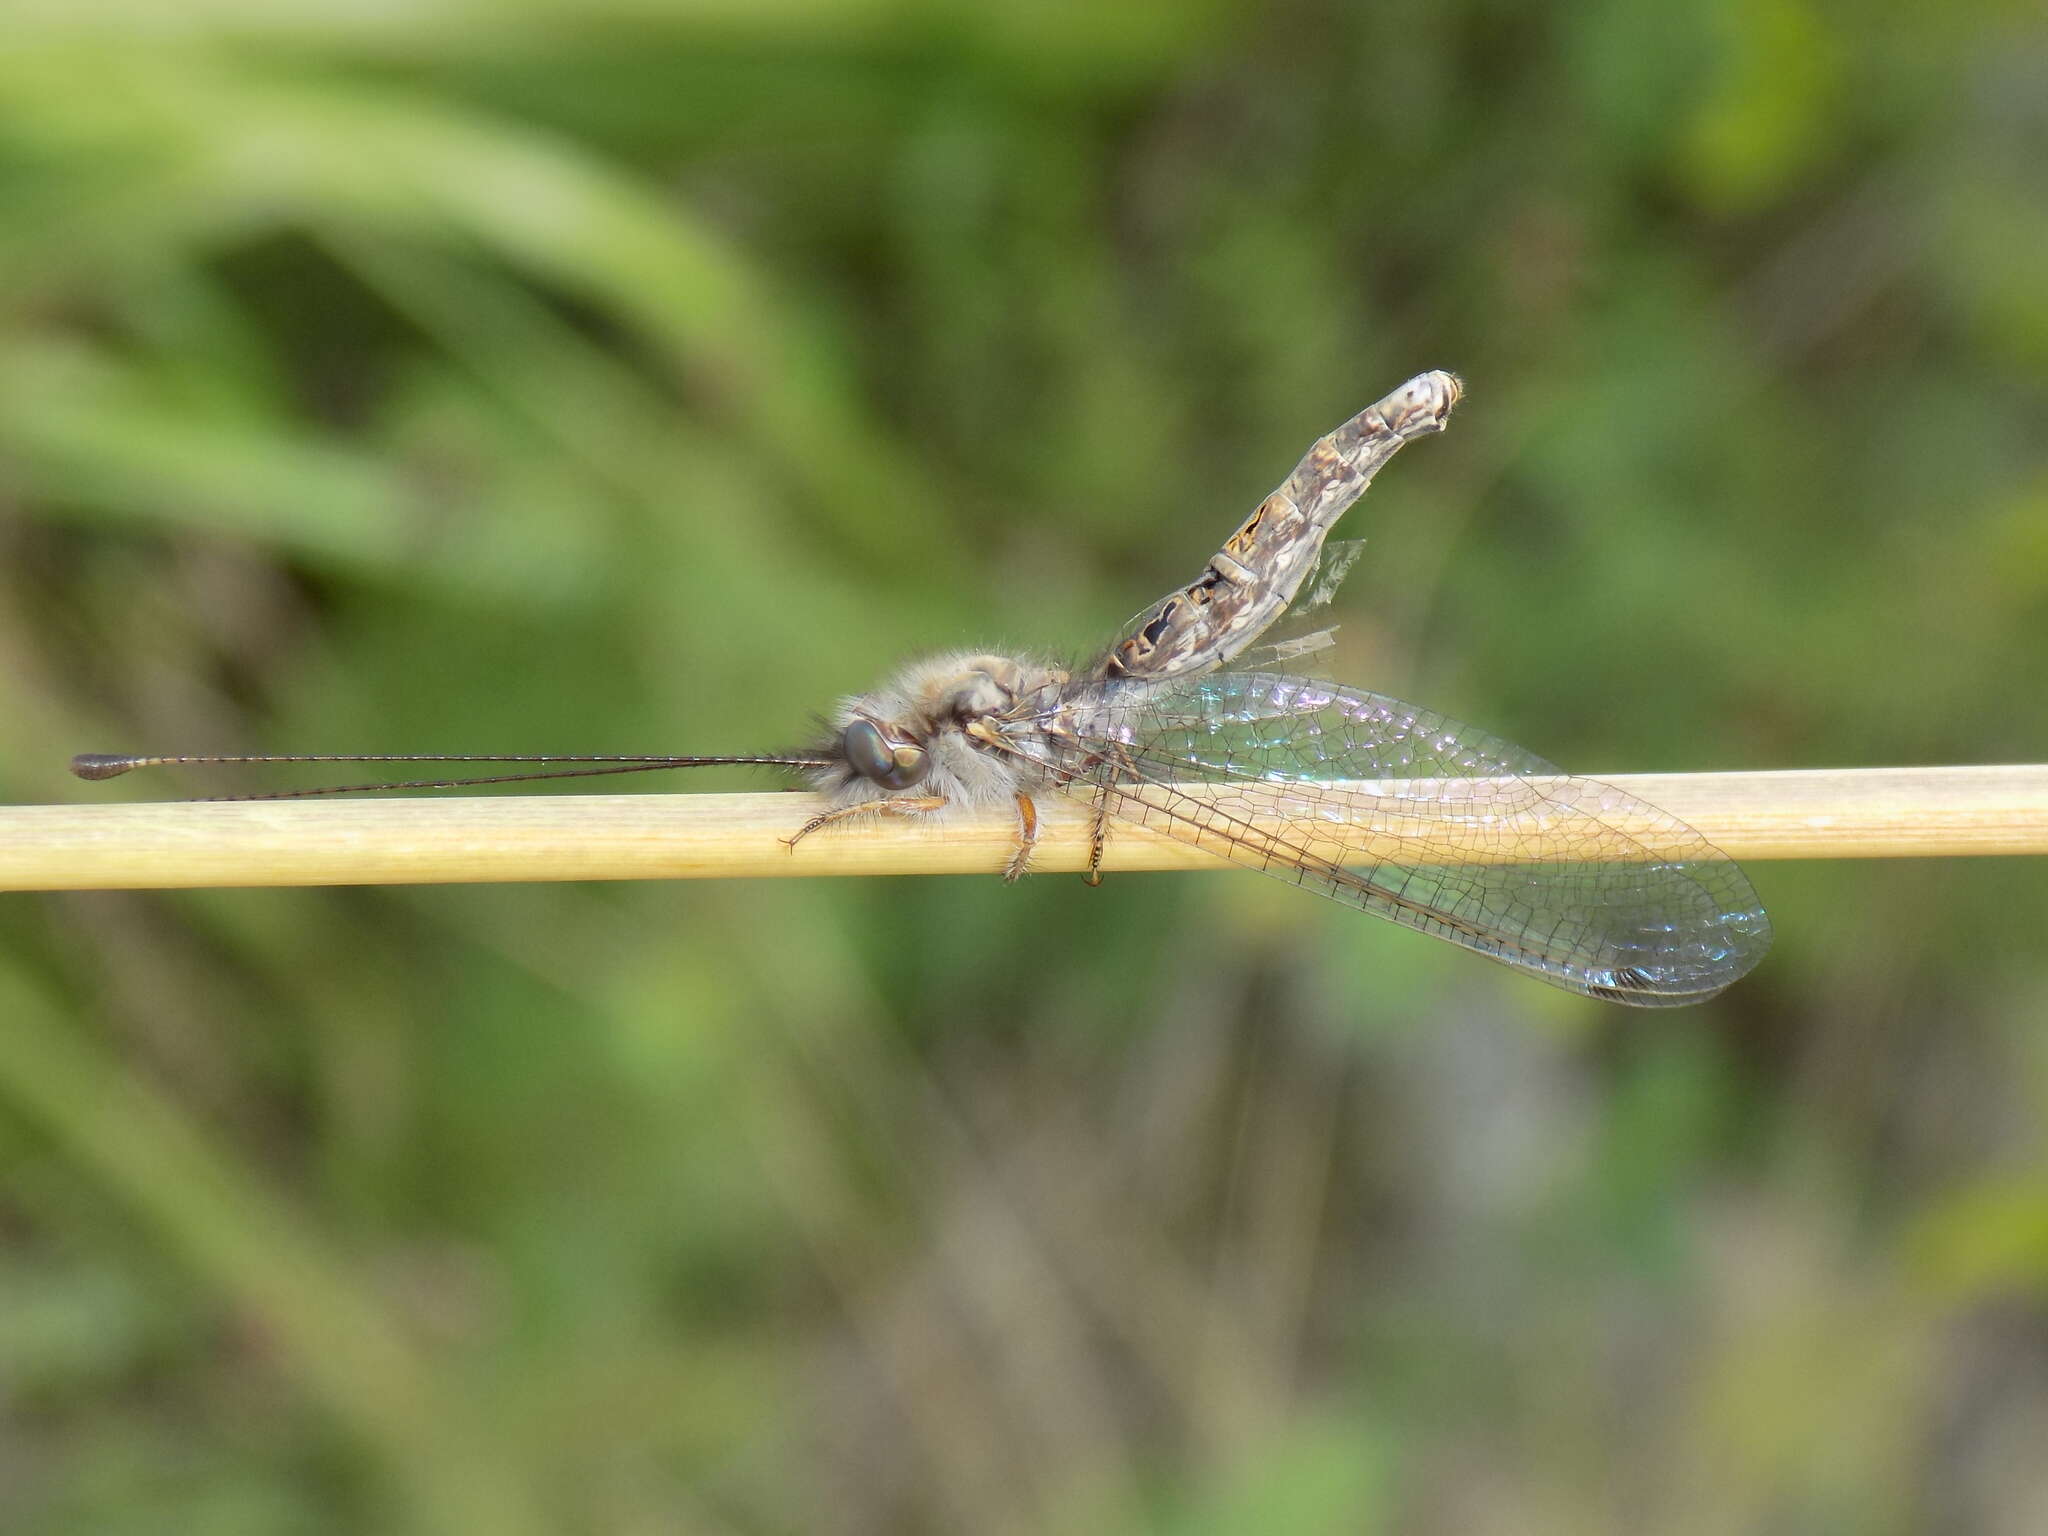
point(893, 765)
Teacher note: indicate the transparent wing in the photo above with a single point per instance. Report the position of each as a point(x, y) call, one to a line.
point(1297, 641)
point(1302, 654)
point(1438, 826)
point(1332, 564)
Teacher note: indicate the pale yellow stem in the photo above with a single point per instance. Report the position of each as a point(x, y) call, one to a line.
point(1815, 814)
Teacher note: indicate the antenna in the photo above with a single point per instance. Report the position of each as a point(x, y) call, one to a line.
point(107, 765)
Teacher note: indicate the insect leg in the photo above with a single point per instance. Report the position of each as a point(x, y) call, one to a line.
point(1098, 831)
point(1098, 834)
point(1027, 838)
point(900, 805)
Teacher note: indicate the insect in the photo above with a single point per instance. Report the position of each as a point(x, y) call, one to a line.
point(1184, 726)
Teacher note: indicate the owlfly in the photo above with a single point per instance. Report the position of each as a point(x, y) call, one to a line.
point(1186, 726)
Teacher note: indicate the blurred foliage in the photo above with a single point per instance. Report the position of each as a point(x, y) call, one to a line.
point(628, 376)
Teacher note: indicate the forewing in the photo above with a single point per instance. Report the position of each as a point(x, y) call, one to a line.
point(1436, 825)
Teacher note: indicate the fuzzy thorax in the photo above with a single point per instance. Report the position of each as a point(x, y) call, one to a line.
point(931, 703)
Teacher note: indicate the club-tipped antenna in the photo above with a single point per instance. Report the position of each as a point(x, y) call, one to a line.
point(108, 765)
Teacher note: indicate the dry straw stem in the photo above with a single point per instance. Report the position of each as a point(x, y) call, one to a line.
point(1848, 813)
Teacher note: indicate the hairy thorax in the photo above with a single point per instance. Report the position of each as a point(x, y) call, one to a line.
point(936, 706)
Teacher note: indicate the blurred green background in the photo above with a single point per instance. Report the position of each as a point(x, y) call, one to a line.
point(624, 376)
